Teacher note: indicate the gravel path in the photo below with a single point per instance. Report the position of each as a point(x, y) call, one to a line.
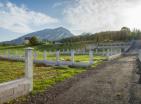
point(110, 83)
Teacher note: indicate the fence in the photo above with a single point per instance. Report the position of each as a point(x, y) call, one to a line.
point(13, 89)
point(108, 53)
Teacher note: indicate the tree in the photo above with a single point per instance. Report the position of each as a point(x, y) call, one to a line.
point(125, 29)
point(33, 40)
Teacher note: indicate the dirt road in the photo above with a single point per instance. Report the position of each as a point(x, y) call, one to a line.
point(110, 83)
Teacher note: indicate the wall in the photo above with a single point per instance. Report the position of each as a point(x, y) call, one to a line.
point(13, 89)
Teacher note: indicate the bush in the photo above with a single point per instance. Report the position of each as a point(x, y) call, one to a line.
point(34, 41)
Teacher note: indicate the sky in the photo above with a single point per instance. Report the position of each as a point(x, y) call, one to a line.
point(19, 17)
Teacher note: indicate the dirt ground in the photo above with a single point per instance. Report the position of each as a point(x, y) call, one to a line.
point(114, 82)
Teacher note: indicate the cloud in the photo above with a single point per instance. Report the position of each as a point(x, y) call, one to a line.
point(58, 4)
point(101, 15)
point(21, 19)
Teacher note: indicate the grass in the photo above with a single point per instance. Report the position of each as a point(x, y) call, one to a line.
point(48, 47)
point(10, 70)
point(43, 76)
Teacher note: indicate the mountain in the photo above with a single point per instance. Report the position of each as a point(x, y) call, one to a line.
point(46, 34)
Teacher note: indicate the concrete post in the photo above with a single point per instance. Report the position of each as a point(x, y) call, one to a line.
point(108, 52)
point(5, 54)
point(84, 51)
point(116, 51)
point(35, 55)
point(78, 51)
point(139, 54)
point(72, 56)
point(111, 53)
point(120, 50)
point(63, 51)
point(103, 51)
point(96, 51)
point(29, 66)
point(16, 53)
point(45, 55)
point(57, 57)
point(67, 50)
point(8, 53)
point(91, 61)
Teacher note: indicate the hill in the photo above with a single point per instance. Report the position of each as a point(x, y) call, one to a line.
point(46, 34)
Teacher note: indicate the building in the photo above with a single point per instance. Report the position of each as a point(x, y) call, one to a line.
point(26, 40)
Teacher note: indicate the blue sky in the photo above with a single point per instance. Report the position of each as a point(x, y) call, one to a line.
point(19, 17)
point(51, 8)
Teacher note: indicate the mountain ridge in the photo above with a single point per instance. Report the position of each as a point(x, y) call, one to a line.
point(45, 34)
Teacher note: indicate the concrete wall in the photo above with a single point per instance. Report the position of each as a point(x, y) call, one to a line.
point(114, 56)
point(13, 89)
point(139, 56)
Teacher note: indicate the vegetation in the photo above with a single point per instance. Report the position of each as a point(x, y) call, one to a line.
point(44, 77)
point(109, 36)
point(33, 40)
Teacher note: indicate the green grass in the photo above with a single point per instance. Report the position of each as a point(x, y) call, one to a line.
point(10, 70)
point(51, 56)
point(43, 76)
point(43, 47)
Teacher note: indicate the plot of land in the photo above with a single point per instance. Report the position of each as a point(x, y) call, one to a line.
point(43, 76)
point(110, 83)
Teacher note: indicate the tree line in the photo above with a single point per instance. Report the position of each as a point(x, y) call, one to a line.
point(125, 34)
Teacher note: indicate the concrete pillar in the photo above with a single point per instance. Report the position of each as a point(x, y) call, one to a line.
point(63, 51)
point(96, 51)
point(72, 56)
point(108, 52)
point(68, 50)
point(91, 61)
point(45, 55)
point(84, 51)
point(29, 66)
point(139, 54)
point(103, 51)
point(111, 52)
point(35, 55)
point(120, 50)
point(5, 54)
point(116, 51)
point(16, 53)
point(57, 57)
point(8, 54)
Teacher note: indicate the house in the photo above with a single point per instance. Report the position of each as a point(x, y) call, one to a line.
point(26, 40)
point(58, 43)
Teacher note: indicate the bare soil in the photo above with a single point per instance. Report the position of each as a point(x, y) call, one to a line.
point(114, 82)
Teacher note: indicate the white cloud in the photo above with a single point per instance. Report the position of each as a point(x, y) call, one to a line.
point(101, 15)
point(21, 19)
point(57, 4)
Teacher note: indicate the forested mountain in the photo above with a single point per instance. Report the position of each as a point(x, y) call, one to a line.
point(108, 36)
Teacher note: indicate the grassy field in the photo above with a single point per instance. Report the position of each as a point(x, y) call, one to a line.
point(19, 50)
point(43, 76)
point(48, 47)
